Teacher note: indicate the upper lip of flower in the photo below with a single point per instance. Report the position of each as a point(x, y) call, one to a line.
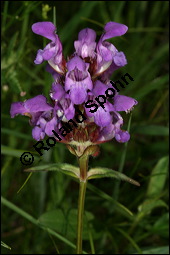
point(53, 51)
point(85, 45)
point(46, 29)
point(106, 51)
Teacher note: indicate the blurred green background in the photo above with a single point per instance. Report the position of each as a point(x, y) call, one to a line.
point(109, 227)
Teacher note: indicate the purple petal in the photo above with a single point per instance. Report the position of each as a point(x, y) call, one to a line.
point(41, 122)
point(70, 112)
point(37, 133)
point(35, 117)
point(107, 51)
point(122, 136)
point(45, 29)
point(78, 93)
point(76, 62)
point(77, 77)
point(107, 133)
point(17, 108)
point(48, 52)
point(68, 108)
point(99, 88)
point(59, 56)
point(87, 35)
point(113, 29)
point(51, 125)
point(102, 118)
point(85, 50)
point(57, 91)
point(37, 104)
point(85, 46)
point(39, 58)
point(120, 59)
point(124, 103)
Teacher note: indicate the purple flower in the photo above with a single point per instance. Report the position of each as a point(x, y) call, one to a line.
point(53, 51)
point(114, 130)
point(118, 61)
point(85, 46)
point(78, 80)
point(66, 109)
point(63, 105)
point(31, 107)
point(107, 53)
point(57, 91)
point(38, 110)
point(107, 117)
point(101, 116)
point(123, 103)
point(85, 76)
point(44, 126)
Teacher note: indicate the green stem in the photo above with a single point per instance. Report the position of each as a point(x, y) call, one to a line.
point(83, 163)
point(81, 200)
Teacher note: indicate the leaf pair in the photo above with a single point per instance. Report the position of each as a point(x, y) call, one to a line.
point(93, 173)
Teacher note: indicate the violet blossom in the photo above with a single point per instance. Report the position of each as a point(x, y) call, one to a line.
point(83, 77)
point(85, 46)
point(53, 51)
point(78, 80)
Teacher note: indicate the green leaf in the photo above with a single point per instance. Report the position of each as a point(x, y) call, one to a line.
point(158, 177)
point(5, 245)
point(65, 222)
point(150, 204)
point(53, 219)
point(105, 172)
point(63, 168)
point(35, 221)
point(155, 188)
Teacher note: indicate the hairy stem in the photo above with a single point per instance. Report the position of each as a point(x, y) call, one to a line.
point(83, 164)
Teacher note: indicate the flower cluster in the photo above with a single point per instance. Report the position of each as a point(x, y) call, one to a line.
point(85, 75)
